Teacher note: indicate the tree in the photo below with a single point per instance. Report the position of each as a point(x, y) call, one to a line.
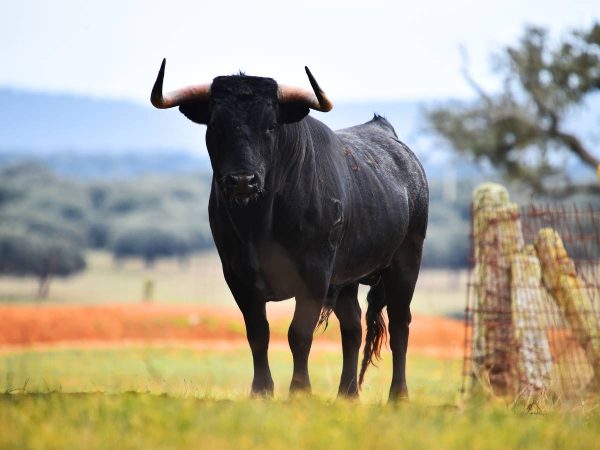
point(27, 254)
point(151, 242)
point(521, 130)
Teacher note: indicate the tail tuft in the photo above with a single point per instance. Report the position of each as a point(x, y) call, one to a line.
point(376, 329)
point(324, 318)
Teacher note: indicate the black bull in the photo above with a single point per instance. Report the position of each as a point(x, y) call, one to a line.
point(298, 210)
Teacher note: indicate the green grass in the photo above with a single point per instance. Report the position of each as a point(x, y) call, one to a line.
point(201, 282)
point(144, 421)
point(184, 398)
point(223, 374)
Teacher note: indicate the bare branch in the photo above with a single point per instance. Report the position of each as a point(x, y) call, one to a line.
point(515, 129)
point(464, 68)
point(572, 142)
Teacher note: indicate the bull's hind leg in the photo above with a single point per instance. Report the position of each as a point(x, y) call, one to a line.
point(347, 310)
point(300, 337)
point(399, 283)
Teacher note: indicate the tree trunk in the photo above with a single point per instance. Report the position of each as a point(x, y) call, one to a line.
point(43, 286)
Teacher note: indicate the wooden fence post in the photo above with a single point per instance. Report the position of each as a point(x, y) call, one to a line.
point(527, 292)
point(497, 237)
point(569, 292)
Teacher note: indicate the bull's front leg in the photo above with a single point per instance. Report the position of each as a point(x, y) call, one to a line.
point(257, 332)
point(253, 308)
point(300, 337)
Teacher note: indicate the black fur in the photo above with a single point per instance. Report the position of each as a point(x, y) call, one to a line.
point(326, 211)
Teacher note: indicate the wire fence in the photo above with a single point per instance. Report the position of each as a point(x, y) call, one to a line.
point(533, 305)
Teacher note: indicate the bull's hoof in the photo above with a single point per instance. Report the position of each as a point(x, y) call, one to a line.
point(300, 387)
point(348, 392)
point(265, 393)
point(348, 395)
point(398, 395)
point(262, 389)
point(399, 400)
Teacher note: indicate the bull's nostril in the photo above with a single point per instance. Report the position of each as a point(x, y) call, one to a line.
point(242, 183)
point(238, 179)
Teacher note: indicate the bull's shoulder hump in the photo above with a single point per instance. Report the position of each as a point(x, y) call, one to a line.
point(377, 140)
point(378, 124)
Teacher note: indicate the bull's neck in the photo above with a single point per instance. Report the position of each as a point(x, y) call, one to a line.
point(297, 159)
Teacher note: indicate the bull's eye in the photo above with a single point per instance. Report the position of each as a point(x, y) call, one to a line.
point(270, 128)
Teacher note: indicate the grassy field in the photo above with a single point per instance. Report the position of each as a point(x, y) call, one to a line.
point(222, 374)
point(185, 398)
point(200, 281)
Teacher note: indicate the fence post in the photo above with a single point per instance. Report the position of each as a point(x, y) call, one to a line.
point(568, 290)
point(497, 237)
point(535, 358)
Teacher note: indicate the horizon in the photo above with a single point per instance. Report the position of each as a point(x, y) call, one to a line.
point(42, 121)
point(146, 103)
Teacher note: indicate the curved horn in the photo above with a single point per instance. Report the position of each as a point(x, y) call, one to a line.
point(176, 98)
point(316, 100)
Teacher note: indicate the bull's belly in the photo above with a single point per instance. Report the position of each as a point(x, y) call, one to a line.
point(360, 256)
point(283, 279)
point(360, 266)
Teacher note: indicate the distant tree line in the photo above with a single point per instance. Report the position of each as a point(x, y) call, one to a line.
point(47, 222)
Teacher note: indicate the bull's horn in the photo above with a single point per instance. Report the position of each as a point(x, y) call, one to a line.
point(316, 100)
point(176, 98)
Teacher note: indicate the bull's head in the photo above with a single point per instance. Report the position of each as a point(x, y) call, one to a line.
point(244, 115)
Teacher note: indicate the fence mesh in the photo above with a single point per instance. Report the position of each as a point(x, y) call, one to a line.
point(533, 304)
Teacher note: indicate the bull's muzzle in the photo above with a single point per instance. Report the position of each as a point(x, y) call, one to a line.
point(242, 188)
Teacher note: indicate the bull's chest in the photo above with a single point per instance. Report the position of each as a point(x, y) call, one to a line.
point(296, 264)
point(290, 255)
point(279, 272)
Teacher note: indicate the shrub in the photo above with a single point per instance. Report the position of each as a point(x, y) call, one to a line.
point(151, 242)
point(28, 254)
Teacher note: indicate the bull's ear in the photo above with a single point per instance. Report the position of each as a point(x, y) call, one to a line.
point(292, 112)
point(196, 111)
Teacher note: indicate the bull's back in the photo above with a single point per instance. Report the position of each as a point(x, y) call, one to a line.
point(386, 197)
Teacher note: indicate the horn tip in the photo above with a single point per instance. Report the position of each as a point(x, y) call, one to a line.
point(156, 94)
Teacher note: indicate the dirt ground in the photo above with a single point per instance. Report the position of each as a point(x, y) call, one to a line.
point(206, 327)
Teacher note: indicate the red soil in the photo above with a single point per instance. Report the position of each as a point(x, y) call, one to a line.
point(207, 327)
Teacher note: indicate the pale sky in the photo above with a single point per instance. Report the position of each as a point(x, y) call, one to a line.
point(358, 50)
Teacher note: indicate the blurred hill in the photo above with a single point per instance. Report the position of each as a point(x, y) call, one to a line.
point(44, 123)
point(85, 137)
point(106, 166)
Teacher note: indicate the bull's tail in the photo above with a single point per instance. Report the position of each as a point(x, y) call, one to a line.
point(376, 329)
